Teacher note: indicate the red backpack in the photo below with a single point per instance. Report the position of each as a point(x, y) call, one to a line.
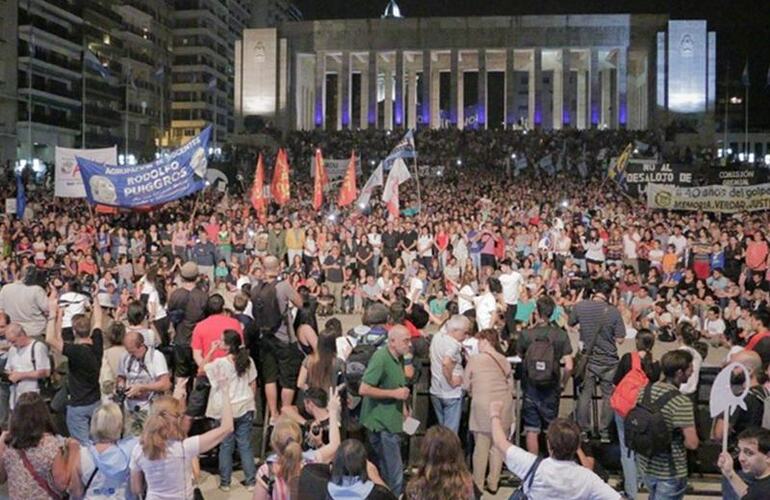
point(626, 392)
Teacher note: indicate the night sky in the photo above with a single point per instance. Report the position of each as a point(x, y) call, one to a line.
point(742, 27)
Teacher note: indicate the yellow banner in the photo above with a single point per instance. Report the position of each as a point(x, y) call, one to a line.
point(709, 198)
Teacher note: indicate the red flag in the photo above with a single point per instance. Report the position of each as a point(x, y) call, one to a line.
point(320, 180)
point(258, 200)
point(348, 190)
point(280, 185)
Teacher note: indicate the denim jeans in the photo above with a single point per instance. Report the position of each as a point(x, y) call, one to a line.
point(603, 376)
point(448, 411)
point(242, 437)
point(79, 421)
point(628, 461)
point(387, 451)
point(5, 401)
point(666, 489)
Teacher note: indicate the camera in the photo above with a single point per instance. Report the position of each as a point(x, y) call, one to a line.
point(119, 397)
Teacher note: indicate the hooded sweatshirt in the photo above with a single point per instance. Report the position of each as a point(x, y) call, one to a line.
point(351, 488)
point(112, 477)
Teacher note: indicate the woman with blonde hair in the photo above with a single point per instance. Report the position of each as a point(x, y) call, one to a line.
point(488, 378)
point(164, 458)
point(278, 477)
point(441, 472)
point(102, 469)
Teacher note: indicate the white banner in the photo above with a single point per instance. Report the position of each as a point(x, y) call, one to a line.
point(709, 198)
point(68, 183)
point(336, 168)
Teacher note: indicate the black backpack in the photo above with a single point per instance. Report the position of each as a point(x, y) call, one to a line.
point(645, 426)
point(540, 360)
point(265, 308)
point(356, 364)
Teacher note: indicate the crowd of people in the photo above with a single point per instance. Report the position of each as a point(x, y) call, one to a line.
point(156, 335)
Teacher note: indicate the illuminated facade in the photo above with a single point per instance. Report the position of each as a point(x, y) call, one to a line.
point(582, 71)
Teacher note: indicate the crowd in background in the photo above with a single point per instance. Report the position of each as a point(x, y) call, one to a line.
point(185, 313)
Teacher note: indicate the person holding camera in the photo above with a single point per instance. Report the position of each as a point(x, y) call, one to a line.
point(85, 360)
point(142, 375)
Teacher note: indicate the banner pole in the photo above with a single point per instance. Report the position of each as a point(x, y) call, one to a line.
point(195, 207)
point(417, 180)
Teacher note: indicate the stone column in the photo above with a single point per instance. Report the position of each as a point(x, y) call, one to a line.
point(388, 105)
point(558, 92)
point(454, 87)
point(427, 89)
point(343, 93)
point(621, 95)
point(583, 116)
point(364, 104)
point(482, 112)
point(411, 99)
point(398, 112)
point(435, 98)
point(594, 97)
point(372, 92)
point(319, 118)
point(510, 89)
point(460, 99)
point(566, 87)
point(606, 99)
point(535, 118)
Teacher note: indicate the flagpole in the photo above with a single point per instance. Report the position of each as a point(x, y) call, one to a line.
point(417, 180)
point(125, 126)
point(746, 133)
point(31, 51)
point(727, 102)
point(83, 98)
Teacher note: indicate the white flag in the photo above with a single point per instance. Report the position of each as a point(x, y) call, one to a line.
point(398, 174)
point(374, 181)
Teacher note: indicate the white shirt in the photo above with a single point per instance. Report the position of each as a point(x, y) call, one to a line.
point(416, 287)
point(679, 242)
point(375, 240)
point(691, 385)
point(425, 245)
point(714, 327)
point(145, 371)
point(562, 479)
point(345, 344)
point(20, 360)
point(629, 245)
point(441, 346)
point(169, 478)
point(160, 309)
point(241, 397)
point(485, 305)
point(511, 283)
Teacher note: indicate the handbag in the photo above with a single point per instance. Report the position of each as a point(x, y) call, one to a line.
point(582, 357)
point(519, 494)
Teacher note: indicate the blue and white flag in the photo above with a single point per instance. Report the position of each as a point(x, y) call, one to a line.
point(583, 169)
point(521, 164)
point(160, 72)
point(93, 62)
point(546, 164)
point(181, 173)
point(404, 149)
point(745, 75)
point(212, 84)
point(21, 196)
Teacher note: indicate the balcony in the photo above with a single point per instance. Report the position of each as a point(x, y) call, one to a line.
point(101, 114)
point(59, 120)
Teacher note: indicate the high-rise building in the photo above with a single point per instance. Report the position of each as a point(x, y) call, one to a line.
point(271, 13)
point(8, 98)
point(205, 32)
point(101, 71)
point(146, 71)
point(49, 75)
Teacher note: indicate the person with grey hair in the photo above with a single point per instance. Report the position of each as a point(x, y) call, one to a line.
point(27, 363)
point(102, 468)
point(446, 371)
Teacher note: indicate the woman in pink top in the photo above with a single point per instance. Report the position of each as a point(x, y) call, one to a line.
point(757, 252)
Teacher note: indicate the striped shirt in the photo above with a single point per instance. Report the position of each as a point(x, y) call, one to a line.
point(598, 317)
point(678, 413)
